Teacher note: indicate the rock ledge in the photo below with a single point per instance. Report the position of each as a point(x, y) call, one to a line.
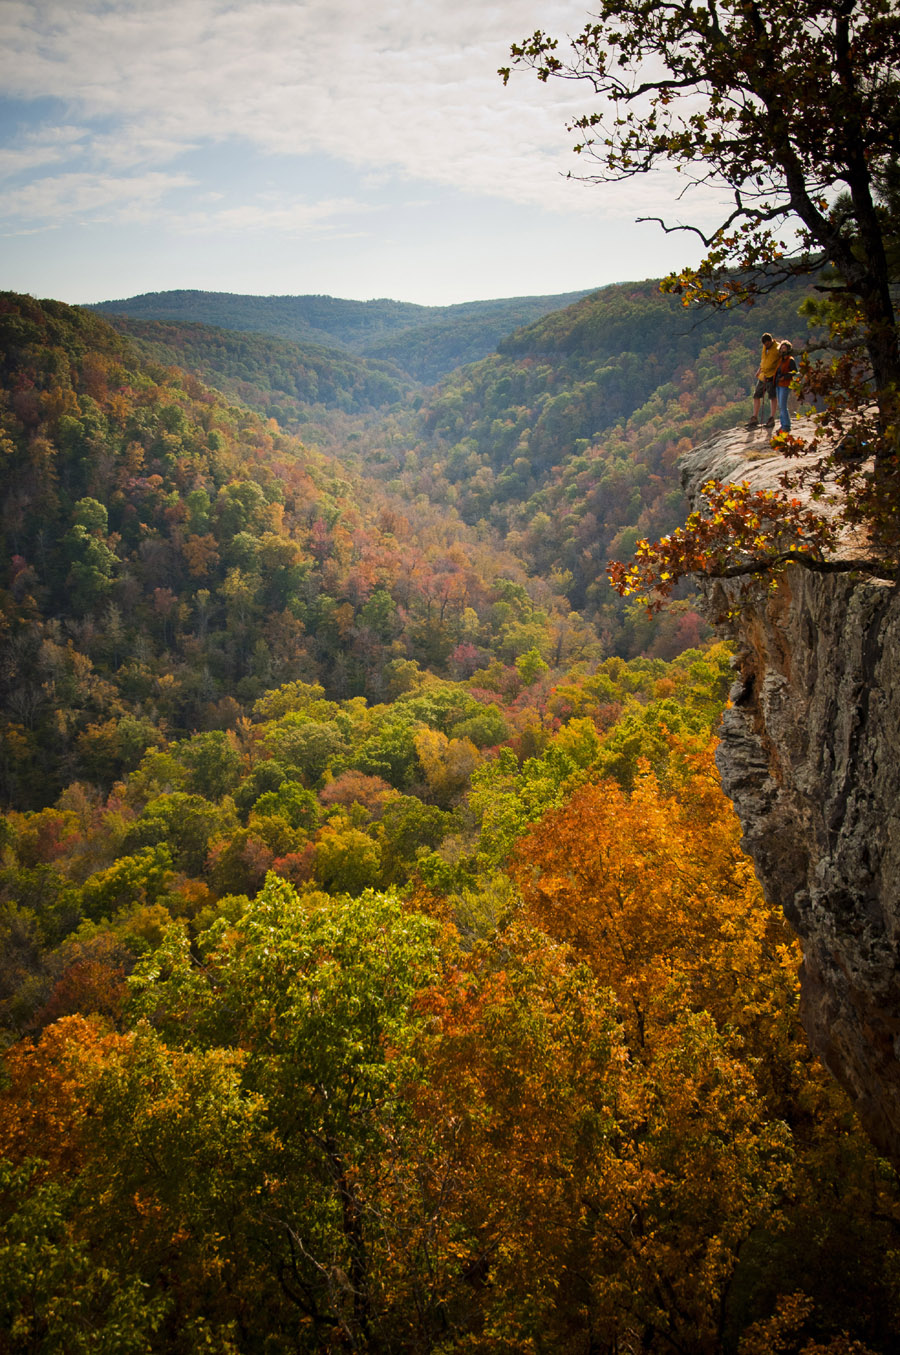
point(810, 755)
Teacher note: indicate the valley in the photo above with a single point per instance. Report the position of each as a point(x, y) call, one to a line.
point(369, 903)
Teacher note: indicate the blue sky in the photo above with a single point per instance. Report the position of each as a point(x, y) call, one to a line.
point(362, 148)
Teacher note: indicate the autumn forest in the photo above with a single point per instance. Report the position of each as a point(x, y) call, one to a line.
point(380, 967)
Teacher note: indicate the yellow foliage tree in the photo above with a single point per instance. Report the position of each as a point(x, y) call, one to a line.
point(447, 763)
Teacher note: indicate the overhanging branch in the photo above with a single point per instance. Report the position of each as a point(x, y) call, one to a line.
point(878, 569)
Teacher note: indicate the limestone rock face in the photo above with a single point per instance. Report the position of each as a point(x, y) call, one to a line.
point(810, 755)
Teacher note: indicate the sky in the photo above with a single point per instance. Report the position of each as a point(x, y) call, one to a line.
point(356, 148)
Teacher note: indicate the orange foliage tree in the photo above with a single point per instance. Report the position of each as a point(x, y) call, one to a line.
point(652, 889)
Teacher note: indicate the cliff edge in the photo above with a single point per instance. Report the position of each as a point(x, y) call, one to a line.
point(810, 755)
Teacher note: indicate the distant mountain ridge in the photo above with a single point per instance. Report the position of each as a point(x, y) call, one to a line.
point(278, 377)
point(425, 341)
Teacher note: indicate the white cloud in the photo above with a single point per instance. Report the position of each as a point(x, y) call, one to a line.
point(403, 87)
point(49, 146)
point(194, 143)
point(130, 146)
point(277, 216)
point(57, 199)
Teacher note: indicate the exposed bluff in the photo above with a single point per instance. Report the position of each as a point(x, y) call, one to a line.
point(810, 755)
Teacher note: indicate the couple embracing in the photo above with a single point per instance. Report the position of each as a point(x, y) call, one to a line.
point(777, 369)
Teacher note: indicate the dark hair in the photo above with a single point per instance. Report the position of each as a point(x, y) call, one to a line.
point(786, 343)
point(767, 338)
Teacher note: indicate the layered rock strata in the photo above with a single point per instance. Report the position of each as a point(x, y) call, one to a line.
point(810, 755)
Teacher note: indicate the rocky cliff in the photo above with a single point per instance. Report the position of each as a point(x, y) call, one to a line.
point(810, 755)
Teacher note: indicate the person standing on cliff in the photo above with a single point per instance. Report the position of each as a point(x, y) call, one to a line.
point(784, 375)
point(765, 380)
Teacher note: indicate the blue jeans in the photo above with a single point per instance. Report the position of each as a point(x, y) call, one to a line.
point(783, 392)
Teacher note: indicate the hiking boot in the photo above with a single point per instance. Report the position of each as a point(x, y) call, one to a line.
point(770, 423)
point(752, 423)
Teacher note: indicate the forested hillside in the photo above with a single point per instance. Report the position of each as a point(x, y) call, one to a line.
point(282, 379)
point(554, 1086)
point(380, 970)
point(172, 556)
point(566, 440)
point(425, 341)
point(563, 443)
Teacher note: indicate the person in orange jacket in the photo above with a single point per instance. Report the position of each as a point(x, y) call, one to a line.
point(765, 381)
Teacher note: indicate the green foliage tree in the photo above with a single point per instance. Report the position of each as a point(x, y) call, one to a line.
point(407, 827)
point(184, 823)
point(136, 879)
point(93, 562)
point(347, 861)
point(212, 763)
point(54, 1295)
point(303, 745)
point(531, 666)
point(322, 1000)
point(297, 805)
point(326, 1125)
point(390, 752)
